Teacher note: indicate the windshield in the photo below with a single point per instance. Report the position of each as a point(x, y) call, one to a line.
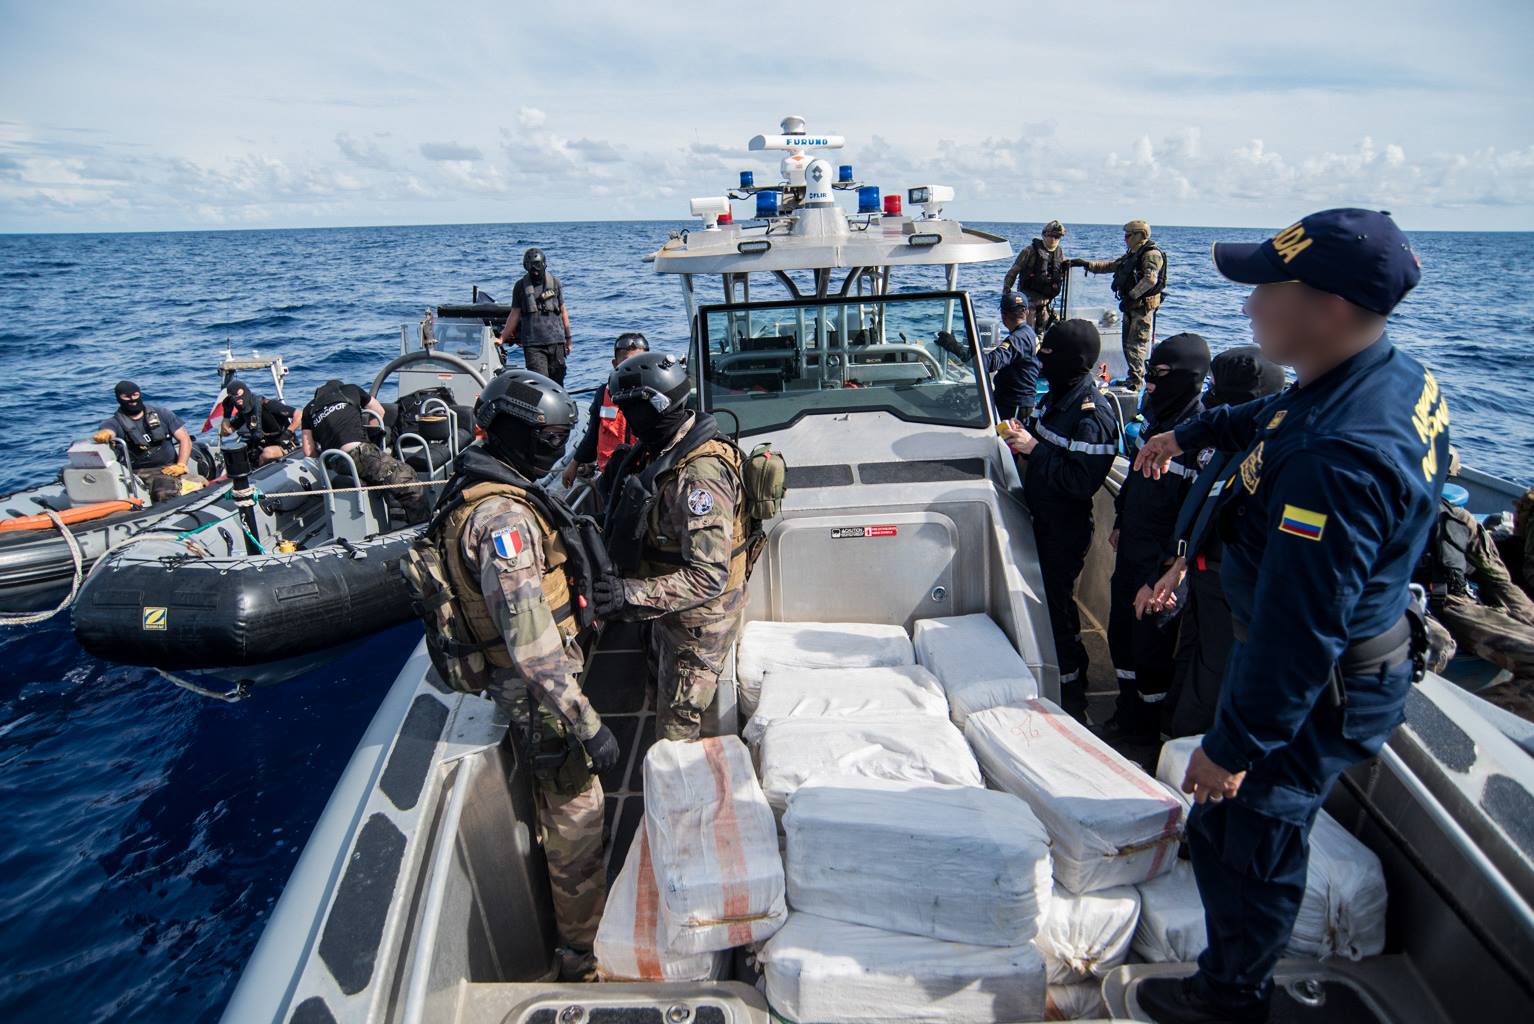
point(1090, 297)
point(459, 337)
point(909, 355)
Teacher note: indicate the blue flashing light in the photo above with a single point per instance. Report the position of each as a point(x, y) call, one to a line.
point(868, 199)
point(844, 174)
point(766, 205)
point(747, 179)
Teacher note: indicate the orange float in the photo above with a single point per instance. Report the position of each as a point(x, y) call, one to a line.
point(71, 516)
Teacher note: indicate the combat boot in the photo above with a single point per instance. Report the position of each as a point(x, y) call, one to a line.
point(1175, 1001)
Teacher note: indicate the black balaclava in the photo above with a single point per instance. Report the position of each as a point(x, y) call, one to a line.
point(240, 400)
point(1241, 374)
point(650, 425)
point(1068, 353)
point(124, 388)
point(1186, 358)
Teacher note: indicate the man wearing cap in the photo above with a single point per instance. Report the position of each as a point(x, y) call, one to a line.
point(1039, 271)
point(539, 320)
point(1139, 279)
point(1014, 363)
point(1325, 517)
point(1067, 450)
point(158, 443)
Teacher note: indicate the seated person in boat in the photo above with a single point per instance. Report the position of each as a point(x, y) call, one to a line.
point(335, 421)
point(269, 425)
point(158, 443)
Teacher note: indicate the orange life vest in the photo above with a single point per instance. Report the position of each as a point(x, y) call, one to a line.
point(612, 430)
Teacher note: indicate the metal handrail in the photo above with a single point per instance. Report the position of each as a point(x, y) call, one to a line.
point(452, 422)
point(399, 450)
point(330, 491)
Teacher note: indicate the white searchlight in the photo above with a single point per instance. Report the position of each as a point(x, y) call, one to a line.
point(930, 198)
point(710, 208)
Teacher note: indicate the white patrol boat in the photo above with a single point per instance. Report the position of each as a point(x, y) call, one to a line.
point(422, 893)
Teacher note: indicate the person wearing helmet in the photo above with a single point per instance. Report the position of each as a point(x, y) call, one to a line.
point(606, 428)
point(677, 528)
point(513, 578)
point(335, 420)
point(1039, 272)
point(539, 320)
point(1139, 280)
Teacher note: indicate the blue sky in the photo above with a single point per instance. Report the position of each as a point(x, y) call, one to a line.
point(174, 115)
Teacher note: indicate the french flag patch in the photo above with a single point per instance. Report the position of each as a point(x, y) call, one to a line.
point(508, 543)
point(1301, 522)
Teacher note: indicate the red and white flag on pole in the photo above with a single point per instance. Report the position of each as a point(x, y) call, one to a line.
point(217, 412)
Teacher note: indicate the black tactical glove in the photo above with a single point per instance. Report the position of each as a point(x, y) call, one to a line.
point(607, 595)
point(952, 345)
point(602, 749)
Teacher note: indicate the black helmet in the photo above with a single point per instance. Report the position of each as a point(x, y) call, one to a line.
point(534, 258)
point(527, 420)
point(651, 389)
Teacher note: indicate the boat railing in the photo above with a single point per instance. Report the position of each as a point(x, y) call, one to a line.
point(413, 440)
point(350, 510)
point(125, 468)
point(452, 421)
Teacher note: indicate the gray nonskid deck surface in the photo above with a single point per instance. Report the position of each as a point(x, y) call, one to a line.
point(619, 686)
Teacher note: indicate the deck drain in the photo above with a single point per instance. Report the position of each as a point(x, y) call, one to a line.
point(679, 1014)
point(1308, 992)
point(572, 1015)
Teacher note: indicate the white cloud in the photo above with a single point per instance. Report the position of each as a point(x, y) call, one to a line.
point(363, 152)
point(450, 151)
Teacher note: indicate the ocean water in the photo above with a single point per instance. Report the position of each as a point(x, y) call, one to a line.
point(147, 830)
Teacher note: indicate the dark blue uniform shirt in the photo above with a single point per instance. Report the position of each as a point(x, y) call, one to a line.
point(1324, 516)
point(1014, 369)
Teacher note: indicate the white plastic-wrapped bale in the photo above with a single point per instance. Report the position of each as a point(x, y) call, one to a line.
point(1085, 937)
point(1171, 928)
point(832, 972)
point(912, 748)
point(1082, 1001)
point(959, 863)
point(768, 645)
point(1111, 823)
point(976, 663)
point(1343, 912)
point(714, 845)
point(631, 940)
point(845, 693)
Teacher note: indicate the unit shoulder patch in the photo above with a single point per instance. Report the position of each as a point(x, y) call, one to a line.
point(1251, 469)
point(1277, 419)
point(699, 502)
point(1301, 522)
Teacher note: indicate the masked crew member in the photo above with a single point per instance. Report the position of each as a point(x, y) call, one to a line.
point(1139, 279)
point(539, 320)
point(158, 443)
point(1039, 272)
point(512, 568)
point(676, 526)
point(1204, 637)
point(1146, 515)
point(1069, 449)
point(606, 428)
point(269, 425)
point(1494, 621)
point(335, 420)
point(1333, 498)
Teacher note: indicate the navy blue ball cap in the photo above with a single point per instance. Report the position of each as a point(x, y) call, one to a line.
point(1012, 302)
point(1358, 255)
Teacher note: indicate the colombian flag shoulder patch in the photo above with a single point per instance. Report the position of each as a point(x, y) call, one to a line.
point(1301, 522)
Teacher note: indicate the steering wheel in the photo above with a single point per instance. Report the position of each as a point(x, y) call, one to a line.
point(422, 356)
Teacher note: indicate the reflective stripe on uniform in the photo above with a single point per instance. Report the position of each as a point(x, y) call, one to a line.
point(1125, 673)
point(1045, 434)
point(1186, 472)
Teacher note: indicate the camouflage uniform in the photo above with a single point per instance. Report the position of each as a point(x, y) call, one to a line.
point(1498, 628)
point(375, 466)
point(548, 667)
point(1139, 312)
point(1040, 313)
point(697, 612)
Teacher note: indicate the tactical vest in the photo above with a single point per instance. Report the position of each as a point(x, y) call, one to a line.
point(1445, 566)
point(1130, 272)
point(334, 419)
point(461, 635)
point(143, 436)
point(542, 322)
point(1046, 272)
point(633, 520)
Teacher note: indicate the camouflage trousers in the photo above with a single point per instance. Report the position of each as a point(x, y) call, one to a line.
point(377, 466)
point(1492, 635)
point(571, 827)
point(691, 649)
point(1040, 313)
point(1137, 342)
